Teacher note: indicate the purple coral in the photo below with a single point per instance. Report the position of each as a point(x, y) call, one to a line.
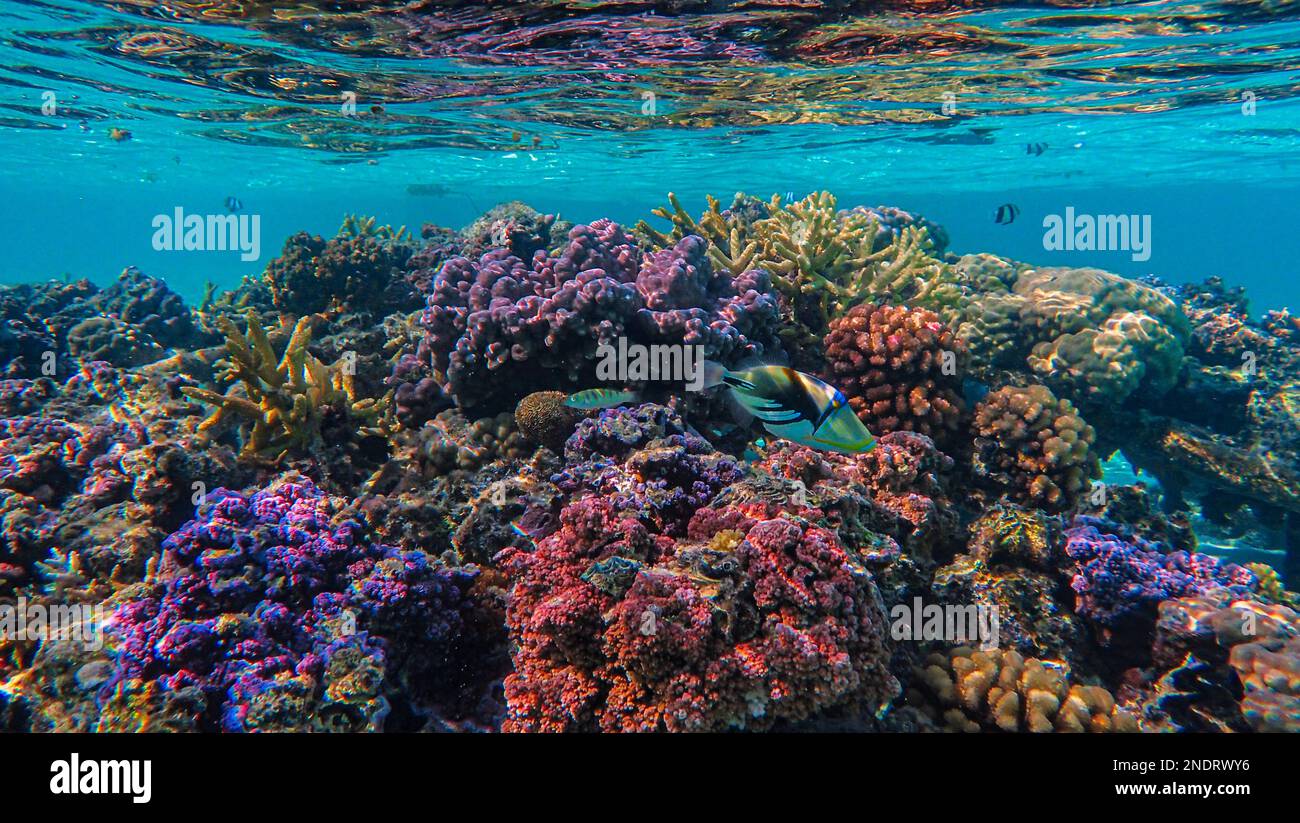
point(1121, 577)
point(284, 614)
point(500, 328)
point(687, 302)
point(648, 463)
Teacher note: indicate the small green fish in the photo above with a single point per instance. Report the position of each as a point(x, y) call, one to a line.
point(599, 399)
point(795, 406)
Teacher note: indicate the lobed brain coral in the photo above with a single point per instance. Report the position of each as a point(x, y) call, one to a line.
point(969, 690)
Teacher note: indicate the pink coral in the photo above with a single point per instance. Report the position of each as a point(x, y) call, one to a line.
point(757, 618)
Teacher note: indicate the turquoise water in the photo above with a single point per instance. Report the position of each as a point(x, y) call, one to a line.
point(1184, 112)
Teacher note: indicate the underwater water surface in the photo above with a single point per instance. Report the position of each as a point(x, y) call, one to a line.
point(319, 377)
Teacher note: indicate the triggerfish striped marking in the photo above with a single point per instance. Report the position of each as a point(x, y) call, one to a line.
point(599, 399)
point(795, 406)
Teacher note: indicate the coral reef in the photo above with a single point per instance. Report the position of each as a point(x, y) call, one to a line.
point(347, 495)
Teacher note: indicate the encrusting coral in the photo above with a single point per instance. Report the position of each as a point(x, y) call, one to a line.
point(970, 690)
point(284, 401)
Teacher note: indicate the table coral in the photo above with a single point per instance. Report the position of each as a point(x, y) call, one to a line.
point(900, 369)
point(1034, 447)
point(997, 690)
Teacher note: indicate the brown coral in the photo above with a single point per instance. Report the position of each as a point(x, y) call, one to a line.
point(545, 420)
point(1033, 447)
point(1270, 675)
point(899, 367)
point(360, 268)
point(975, 690)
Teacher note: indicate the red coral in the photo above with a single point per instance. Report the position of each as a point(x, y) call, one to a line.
point(754, 620)
point(904, 475)
point(900, 369)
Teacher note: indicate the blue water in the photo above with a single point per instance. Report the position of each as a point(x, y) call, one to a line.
point(1186, 113)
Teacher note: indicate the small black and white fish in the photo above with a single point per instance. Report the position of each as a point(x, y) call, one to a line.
point(1006, 214)
point(1035, 149)
point(234, 204)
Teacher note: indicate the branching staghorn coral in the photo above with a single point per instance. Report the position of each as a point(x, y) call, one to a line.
point(285, 399)
point(822, 260)
point(358, 226)
point(731, 246)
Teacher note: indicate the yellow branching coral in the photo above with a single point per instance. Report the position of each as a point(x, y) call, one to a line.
point(823, 260)
point(357, 226)
point(730, 246)
point(971, 690)
point(283, 400)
